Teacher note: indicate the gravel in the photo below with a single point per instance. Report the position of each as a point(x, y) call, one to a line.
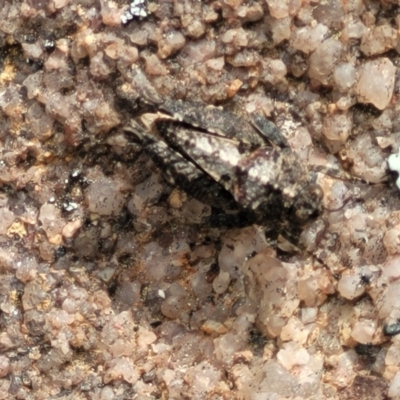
point(112, 284)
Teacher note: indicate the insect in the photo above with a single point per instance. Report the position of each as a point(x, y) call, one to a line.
point(230, 163)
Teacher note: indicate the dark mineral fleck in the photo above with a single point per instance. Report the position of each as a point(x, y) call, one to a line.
point(392, 329)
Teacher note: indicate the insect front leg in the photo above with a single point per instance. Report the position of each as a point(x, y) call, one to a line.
point(268, 130)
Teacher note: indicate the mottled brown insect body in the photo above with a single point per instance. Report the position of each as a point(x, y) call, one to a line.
point(232, 164)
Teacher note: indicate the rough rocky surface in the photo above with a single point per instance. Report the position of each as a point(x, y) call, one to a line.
point(111, 284)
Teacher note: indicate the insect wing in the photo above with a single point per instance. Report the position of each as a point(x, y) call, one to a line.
point(214, 120)
point(270, 179)
point(257, 177)
point(218, 157)
point(178, 171)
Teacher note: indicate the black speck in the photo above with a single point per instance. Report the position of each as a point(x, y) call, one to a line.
point(391, 329)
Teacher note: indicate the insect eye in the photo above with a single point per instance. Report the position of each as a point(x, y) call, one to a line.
point(316, 190)
point(302, 214)
point(306, 209)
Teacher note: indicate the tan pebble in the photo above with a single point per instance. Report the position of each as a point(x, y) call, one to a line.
point(71, 228)
point(176, 198)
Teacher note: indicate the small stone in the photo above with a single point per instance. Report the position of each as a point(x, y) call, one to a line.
point(194, 27)
point(344, 76)
point(378, 90)
point(154, 66)
point(216, 64)
point(236, 37)
point(273, 71)
point(250, 12)
point(214, 328)
point(234, 87)
point(338, 126)
point(26, 269)
point(368, 159)
point(104, 196)
point(32, 51)
point(278, 8)
point(352, 30)
point(52, 223)
point(176, 198)
point(221, 282)
point(292, 354)
point(197, 52)
point(363, 331)
point(391, 241)
point(379, 40)
point(4, 366)
point(121, 368)
point(307, 39)
point(172, 43)
point(323, 60)
point(71, 228)
point(6, 218)
point(394, 388)
point(244, 59)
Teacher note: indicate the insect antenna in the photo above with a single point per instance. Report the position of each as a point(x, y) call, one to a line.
point(343, 176)
point(268, 130)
